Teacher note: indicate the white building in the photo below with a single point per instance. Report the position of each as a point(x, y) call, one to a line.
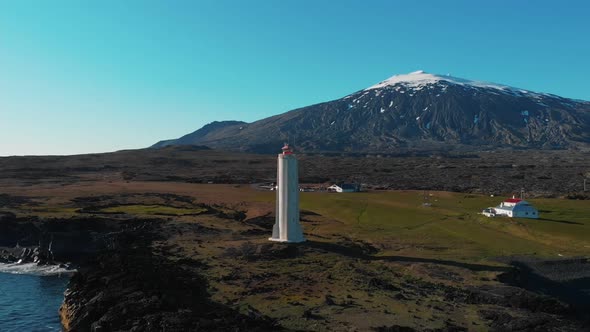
point(287, 227)
point(513, 208)
point(344, 188)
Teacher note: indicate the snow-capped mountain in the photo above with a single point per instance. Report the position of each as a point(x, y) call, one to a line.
point(416, 111)
point(420, 79)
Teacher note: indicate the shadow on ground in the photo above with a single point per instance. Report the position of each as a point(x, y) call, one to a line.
point(355, 252)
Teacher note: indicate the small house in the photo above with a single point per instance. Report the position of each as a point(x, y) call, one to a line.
point(345, 188)
point(513, 208)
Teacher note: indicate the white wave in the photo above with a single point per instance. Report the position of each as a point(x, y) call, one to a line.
point(34, 269)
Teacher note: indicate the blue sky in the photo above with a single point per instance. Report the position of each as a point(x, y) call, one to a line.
point(95, 76)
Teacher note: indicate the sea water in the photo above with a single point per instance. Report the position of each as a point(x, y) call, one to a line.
point(30, 297)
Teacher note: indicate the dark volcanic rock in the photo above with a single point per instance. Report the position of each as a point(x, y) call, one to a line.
point(394, 328)
point(565, 279)
point(132, 289)
point(48, 241)
point(15, 232)
point(494, 172)
point(269, 251)
point(502, 321)
point(10, 201)
point(516, 298)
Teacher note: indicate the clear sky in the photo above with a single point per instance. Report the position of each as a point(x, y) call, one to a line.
point(93, 76)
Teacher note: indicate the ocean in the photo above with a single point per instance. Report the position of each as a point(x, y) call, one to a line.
point(30, 297)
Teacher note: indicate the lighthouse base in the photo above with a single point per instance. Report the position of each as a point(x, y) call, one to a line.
point(286, 241)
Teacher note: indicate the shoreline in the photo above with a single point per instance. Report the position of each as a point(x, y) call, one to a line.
point(35, 269)
point(215, 270)
point(172, 297)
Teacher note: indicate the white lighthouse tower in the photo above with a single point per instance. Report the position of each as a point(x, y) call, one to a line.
point(287, 227)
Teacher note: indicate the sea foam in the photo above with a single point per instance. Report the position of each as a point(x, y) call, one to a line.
point(34, 269)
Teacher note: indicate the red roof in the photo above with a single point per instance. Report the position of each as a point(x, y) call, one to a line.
point(513, 200)
point(286, 149)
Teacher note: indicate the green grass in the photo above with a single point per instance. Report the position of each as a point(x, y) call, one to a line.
point(452, 226)
point(152, 210)
point(55, 210)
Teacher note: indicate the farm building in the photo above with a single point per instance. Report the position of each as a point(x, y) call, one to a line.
point(345, 188)
point(513, 208)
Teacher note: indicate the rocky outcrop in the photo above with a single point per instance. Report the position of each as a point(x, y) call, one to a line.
point(52, 241)
point(17, 232)
point(120, 284)
point(133, 289)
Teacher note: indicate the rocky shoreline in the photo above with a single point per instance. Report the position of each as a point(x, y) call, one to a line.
point(135, 274)
point(134, 289)
point(120, 283)
point(64, 242)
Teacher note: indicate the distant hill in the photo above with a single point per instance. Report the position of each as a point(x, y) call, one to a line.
point(557, 172)
point(413, 112)
point(208, 132)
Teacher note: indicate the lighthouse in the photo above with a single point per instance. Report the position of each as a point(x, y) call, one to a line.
point(287, 227)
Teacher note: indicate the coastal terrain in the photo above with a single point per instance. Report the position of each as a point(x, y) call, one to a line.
point(165, 241)
point(288, 166)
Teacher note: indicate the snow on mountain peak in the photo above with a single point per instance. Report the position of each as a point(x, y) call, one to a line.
point(421, 78)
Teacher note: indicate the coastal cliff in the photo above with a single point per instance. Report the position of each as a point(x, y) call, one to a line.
point(137, 288)
point(48, 241)
point(122, 282)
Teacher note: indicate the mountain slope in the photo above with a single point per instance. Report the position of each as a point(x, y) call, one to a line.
point(417, 111)
point(208, 132)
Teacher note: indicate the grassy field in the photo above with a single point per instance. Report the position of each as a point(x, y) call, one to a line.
point(139, 209)
point(372, 259)
point(446, 243)
point(451, 227)
point(395, 222)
